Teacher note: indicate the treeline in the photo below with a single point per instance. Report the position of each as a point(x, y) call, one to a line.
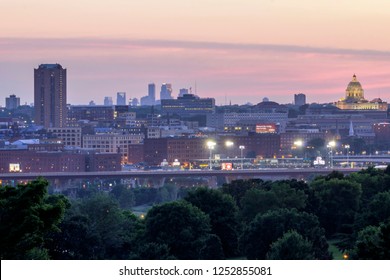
point(246, 219)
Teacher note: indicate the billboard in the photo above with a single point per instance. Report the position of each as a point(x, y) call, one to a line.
point(227, 166)
point(266, 128)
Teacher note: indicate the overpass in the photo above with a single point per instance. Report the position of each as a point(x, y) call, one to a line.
point(159, 176)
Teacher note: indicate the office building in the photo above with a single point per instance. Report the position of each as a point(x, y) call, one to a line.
point(108, 101)
point(152, 92)
point(299, 99)
point(166, 91)
point(121, 98)
point(188, 104)
point(12, 102)
point(50, 95)
point(150, 99)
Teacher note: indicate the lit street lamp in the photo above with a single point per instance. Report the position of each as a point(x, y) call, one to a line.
point(242, 158)
point(347, 147)
point(330, 145)
point(211, 145)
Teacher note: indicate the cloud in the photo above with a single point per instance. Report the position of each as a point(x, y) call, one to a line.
point(17, 44)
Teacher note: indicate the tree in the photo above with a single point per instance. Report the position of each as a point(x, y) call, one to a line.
point(291, 246)
point(223, 213)
point(280, 195)
point(123, 195)
point(183, 227)
point(339, 201)
point(367, 245)
point(238, 188)
point(376, 211)
point(97, 228)
point(27, 216)
point(266, 228)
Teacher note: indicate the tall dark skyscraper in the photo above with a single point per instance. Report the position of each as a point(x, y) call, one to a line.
point(152, 92)
point(50, 95)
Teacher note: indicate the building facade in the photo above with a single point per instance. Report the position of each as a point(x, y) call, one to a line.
point(166, 91)
point(50, 95)
point(354, 99)
point(12, 102)
point(188, 104)
point(299, 99)
point(70, 136)
point(121, 98)
point(112, 143)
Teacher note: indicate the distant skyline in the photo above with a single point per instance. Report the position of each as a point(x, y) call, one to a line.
point(234, 51)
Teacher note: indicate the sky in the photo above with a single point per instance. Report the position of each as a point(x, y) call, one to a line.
point(236, 51)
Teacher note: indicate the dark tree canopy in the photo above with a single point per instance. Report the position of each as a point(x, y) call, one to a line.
point(223, 213)
point(183, 227)
point(266, 228)
point(27, 216)
point(291, 246)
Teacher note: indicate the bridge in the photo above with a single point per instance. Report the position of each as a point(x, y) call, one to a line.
point(158, 177)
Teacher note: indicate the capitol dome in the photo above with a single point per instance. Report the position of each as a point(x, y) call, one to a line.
point(354, 91)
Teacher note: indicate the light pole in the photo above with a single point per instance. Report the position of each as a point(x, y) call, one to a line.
point(211, 145)
point(241, 147)
point(330, 145)
point(347, 147)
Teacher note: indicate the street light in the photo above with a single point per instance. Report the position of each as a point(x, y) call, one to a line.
point(347, 147)
point(211, 145)
point(330, 145)
point(242, 158)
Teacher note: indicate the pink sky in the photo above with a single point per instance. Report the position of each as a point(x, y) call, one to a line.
point(238, 51)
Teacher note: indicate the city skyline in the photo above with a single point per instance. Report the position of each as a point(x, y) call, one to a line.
point(225, 50)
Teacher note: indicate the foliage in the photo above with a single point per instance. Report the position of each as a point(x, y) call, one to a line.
point(339, 201)
point(280, 195)
point(124, 195)
point(291, 246)
point(223, 213)
point(266, 228)
point(238, 188)
point(96, 228)
point(183, 227)
point(27, 216)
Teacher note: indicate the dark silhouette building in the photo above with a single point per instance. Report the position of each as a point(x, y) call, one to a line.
point(50, 95)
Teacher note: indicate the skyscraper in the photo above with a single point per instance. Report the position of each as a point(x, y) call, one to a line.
point(166, 91)
point(299, 99)
point(152, 92)
point(50, 95)
point(12, 102)
point(121, 98)
point(108, 101)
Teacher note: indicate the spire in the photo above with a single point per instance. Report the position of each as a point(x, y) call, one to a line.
point(351, 132)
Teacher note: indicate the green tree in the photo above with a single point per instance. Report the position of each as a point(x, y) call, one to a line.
point(97, 228)
point(223, 213)
point(291, 246)
point(280, 195)
point(266, 228)
point(238, 188)
point(339, 201)
point(368, 245)
point(27, 216)
point(376, 211)
point(183, 227)
point(123, 195)
point(257, 201)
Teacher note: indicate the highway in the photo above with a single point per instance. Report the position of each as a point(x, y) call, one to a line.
point(255, 173)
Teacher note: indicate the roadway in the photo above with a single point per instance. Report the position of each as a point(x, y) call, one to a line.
point(255, 173)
